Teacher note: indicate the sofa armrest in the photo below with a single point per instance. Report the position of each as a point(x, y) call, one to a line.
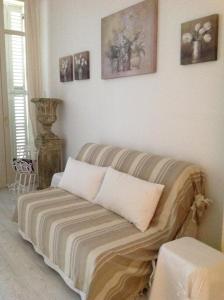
point(56, 179)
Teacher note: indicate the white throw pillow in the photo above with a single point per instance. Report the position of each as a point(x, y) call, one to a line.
point(82, 179)
point(132, 198)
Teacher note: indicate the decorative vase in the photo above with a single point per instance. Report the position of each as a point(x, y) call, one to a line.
point(196, 55)
point(135, 61)
point(49, 145)
point(46, 114)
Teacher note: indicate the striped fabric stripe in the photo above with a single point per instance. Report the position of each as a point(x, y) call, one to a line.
point(100, 253)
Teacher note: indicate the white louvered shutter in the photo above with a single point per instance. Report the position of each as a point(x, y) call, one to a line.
point(16, 73)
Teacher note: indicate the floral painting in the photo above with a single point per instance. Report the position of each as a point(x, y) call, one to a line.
point(81, 61)
point(199, 40)
point(129, 41)
point(66, 68)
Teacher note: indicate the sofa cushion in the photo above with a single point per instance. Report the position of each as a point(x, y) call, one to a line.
point(132, 198)
point(82, 179)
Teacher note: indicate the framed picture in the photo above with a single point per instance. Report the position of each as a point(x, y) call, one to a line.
point(129, 41)
point(81, 62)
point(66, 68)
point(199, 40)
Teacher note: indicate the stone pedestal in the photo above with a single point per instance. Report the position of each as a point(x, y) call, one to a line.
point(50, 160)
point(50, 147)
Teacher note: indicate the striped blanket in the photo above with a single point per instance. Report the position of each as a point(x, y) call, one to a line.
point(99, 254)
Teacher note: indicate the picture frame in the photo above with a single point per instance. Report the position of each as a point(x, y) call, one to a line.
point(82, 65)
point(66, 68)
point(129, 41)
point(199, 40)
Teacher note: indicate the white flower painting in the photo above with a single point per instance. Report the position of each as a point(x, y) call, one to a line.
point(66, 68)
point(129, 41)
point(199, 40)
point(81, 61)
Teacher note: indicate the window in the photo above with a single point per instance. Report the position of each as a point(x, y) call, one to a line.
point(14, 31)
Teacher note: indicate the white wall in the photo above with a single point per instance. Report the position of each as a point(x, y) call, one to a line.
point(179, 111)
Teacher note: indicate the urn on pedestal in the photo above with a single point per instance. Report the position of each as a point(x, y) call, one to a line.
point(49, 145)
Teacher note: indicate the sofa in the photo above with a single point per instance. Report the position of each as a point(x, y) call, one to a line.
point(99, 254)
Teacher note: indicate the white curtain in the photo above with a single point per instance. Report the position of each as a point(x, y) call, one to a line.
point(33, 52)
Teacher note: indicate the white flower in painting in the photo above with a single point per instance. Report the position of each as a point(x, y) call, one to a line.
point(202, 31)
point(207, 26)
point(207, 38)
point(197, 27)
point(187, 38)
